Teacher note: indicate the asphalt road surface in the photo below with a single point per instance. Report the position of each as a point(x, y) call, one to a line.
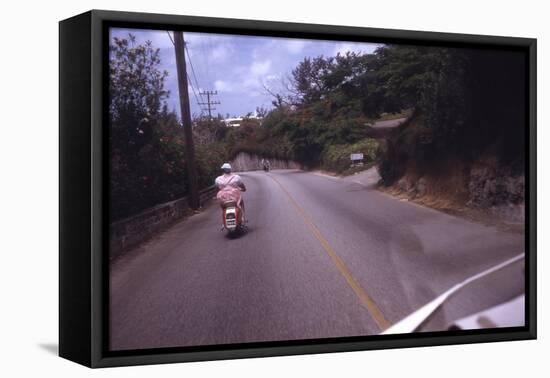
point(323, 257)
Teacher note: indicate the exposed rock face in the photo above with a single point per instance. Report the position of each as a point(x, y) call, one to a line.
point(413, 189)
point(498, 190)
point(421, 186)
point(487, 185)
point(493, 186)
point(403, 184)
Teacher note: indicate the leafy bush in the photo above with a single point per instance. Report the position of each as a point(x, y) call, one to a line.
point(337, 157)
point(146, 141)
point(209, 158)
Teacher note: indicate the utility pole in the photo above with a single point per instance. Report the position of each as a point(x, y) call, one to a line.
point(179, 45)
point(209, 103)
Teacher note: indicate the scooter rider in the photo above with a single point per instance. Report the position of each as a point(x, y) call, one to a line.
point(230, 187)
point(265, 165)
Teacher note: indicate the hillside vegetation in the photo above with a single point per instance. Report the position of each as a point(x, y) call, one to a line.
point(464, 139)
point(466, 108)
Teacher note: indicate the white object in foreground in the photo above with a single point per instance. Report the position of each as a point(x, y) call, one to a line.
point(414, 321)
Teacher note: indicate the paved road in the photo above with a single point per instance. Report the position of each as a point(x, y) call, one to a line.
point(324, 257)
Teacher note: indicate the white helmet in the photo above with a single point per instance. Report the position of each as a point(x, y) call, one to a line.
point(226, 166)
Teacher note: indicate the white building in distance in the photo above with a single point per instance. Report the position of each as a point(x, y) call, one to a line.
point(236, 122)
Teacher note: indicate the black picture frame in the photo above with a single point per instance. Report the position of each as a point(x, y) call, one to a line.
point(83, 232)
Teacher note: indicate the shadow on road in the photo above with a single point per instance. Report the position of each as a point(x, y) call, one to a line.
point(238, 235)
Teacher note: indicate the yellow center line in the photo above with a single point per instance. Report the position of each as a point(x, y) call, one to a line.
point(366, 300)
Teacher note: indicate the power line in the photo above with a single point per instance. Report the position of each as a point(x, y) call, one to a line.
point(194, 93)
point(208, 103)
point(192, 68)
point(170, 36)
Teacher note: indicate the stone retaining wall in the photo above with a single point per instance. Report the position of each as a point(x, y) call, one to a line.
point(129, 232)
point(247, 162)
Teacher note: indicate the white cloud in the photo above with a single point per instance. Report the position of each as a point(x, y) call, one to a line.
point(223, 86)
point(260, 68)
point(221, 52)
point(295, 46)
point(252, 80)
point(215, 48)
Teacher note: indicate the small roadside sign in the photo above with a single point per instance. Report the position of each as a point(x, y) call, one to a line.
point(355, 157)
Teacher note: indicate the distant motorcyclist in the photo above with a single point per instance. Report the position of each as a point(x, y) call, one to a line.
point(230, 187)
point(266, 165)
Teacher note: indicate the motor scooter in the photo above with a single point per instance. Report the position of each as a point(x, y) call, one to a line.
point(233, 218)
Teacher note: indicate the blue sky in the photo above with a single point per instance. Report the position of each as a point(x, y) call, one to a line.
point(238, 67)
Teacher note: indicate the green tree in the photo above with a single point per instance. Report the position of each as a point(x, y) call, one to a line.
point(308, 79)
point(146, 141)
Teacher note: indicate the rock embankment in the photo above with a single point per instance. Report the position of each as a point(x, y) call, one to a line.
point(497, 189)
point(484, 185)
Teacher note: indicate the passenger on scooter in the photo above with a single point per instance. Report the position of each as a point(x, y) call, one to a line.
point(230, 187)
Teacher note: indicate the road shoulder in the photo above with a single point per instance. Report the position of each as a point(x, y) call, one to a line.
point(370, 178)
